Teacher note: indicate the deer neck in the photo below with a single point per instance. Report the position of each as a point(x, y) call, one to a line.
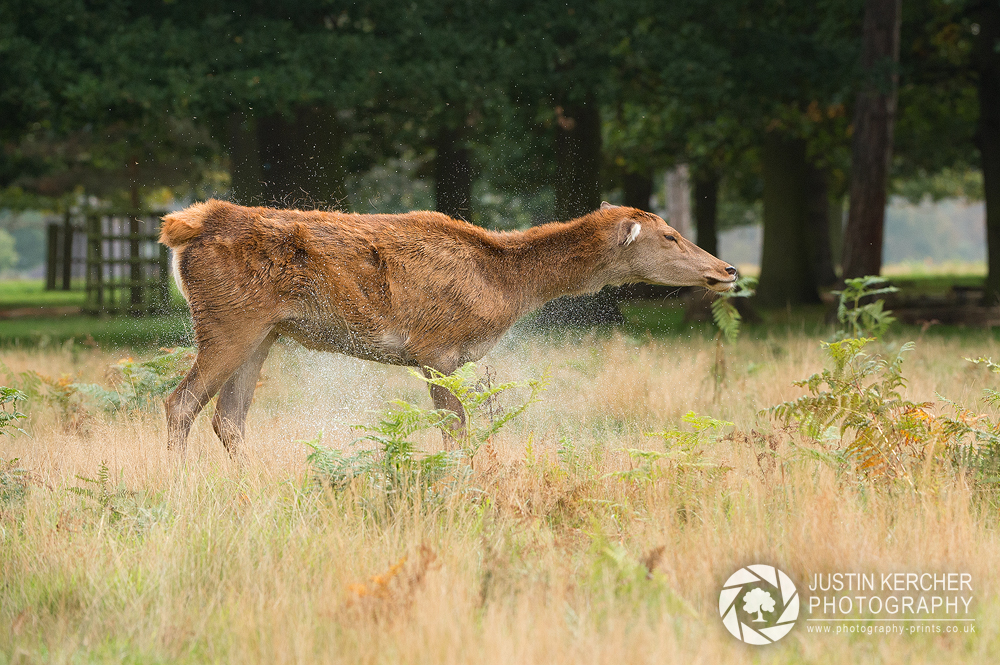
point(558, 259)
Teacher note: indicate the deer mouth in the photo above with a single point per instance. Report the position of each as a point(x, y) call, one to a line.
point(720, 285)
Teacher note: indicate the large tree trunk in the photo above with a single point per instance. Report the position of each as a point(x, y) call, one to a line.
point(452, 174)
point(638, 190)
point(871, 146)
point(578, 159)
point(786, 271)
point(836, 217)
point(986, 59)
point(578, 192)
point(706, 200)
point(818, 228)
point(301, 158)
point(678, 185)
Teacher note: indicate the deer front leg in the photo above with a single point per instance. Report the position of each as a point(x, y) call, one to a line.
point(443, 399)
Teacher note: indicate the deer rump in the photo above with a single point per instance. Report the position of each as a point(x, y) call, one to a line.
point(412, 289)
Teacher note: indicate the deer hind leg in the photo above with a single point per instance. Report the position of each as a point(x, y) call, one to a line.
point(235, 397)
point(218, 358)
point(443, 399)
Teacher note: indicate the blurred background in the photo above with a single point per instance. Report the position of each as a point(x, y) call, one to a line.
point(804, 142)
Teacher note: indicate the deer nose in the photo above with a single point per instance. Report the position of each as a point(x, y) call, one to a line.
point(731, 270)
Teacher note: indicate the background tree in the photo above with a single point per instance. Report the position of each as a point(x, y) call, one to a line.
point(986, 65)
point(519, 113)
point(874, 118)
point(792, 68)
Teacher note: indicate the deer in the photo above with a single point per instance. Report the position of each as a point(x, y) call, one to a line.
point(417, 289)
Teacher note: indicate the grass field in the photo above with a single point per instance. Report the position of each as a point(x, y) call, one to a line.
point(557, 545)
point(84, 330)
point(31, 293)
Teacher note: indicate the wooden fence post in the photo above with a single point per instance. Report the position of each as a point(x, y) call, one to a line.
point(52, 252)
point(127, 271)
point(95, 264)
point(67, 247)
point(136, 274)
point(164, 289)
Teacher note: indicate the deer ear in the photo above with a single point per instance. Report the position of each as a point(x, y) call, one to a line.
point(628, 231)
point(607, 206)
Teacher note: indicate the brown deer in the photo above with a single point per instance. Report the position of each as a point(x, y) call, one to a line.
point(419, 289)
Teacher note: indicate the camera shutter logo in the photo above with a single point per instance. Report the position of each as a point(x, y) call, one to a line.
point(759, 604)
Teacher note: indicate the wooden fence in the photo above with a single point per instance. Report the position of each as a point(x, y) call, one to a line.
point(126, 270)
point(66, 254)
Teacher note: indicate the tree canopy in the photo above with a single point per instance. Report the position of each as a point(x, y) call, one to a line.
point(545, 106)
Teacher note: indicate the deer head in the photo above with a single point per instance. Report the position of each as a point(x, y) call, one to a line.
point(652, 251)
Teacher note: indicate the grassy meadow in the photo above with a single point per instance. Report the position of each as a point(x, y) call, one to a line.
point(574, 536)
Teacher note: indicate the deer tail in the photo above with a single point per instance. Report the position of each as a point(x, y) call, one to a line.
point(181, 227)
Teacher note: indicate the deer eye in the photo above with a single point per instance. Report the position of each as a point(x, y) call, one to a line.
point(669, 237)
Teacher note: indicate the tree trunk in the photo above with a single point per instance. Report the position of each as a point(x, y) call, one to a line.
point(578, 159)
point(986, 60)
point(578, 192)
point(245, 174)
point(301, 158)
point(818, 228)
point(678, 186)
point(836, 217)
point(871, 146)
point(452, 175)
point(786, 273)
point(638, 190)
point(706, 199)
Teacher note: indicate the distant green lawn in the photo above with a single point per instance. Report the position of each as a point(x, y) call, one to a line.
point(914, 285)
point(17, 293)
point(666, 318)
point(119, 331)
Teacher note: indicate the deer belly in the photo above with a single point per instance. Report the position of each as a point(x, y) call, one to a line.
point(336, 337)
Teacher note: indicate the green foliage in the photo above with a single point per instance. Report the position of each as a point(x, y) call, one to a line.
point(975, 437)
point(860, 398)
point(570, 456)
point(863, 320)
point(479, 398)
point(961, 183)
point(333, 467)
point(13, 482)
point(101, 491)
point(395, 469)
point(727, 318)
point(9, 415)
point(143, 384)
point(616, 572)
point(114, 503)
point(682, 450)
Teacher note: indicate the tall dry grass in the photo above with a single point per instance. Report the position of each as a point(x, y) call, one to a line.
point(544, 555)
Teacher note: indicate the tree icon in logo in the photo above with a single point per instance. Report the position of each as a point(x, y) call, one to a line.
point(757, 600)
point(764, 590)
